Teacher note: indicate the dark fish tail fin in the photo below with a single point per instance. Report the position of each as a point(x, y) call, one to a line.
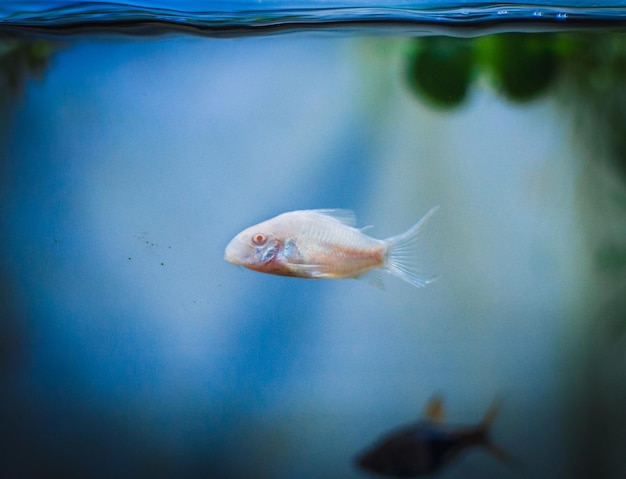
point(500, 454)
point(485, 426)
point(491, 414)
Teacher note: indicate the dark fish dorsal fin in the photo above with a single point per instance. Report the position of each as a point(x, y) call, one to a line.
point(345, 217)
point(434, 411)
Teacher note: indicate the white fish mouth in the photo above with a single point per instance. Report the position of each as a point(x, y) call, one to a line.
point(230, 256)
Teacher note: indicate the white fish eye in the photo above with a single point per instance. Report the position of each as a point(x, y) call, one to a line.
point(259, 239)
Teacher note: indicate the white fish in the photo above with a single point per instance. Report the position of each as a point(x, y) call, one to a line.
point(325, 244)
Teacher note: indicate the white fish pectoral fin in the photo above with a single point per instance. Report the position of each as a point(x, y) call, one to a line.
point(308, 270)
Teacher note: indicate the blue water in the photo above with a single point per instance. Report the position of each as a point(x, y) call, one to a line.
point(130, 348)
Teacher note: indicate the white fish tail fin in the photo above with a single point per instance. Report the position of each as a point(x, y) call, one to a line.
point(402, 259)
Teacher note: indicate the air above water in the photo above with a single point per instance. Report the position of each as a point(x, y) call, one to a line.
point(135, 149)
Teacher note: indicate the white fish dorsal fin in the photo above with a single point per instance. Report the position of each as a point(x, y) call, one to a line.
point(434, 411)
point(345, 217)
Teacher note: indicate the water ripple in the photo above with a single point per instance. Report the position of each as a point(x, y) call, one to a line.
point(224, 19)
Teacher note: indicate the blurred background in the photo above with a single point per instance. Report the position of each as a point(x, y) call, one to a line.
point(130, 348)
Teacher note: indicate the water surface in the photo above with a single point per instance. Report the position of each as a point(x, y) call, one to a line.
point(227, 18)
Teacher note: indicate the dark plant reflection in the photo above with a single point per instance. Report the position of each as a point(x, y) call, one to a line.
point(441, 69)
point(520, 66)
point(592, 93)
point(586, 73)
point(18, 61)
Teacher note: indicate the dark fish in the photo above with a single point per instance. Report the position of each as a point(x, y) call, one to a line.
point(426, 446)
